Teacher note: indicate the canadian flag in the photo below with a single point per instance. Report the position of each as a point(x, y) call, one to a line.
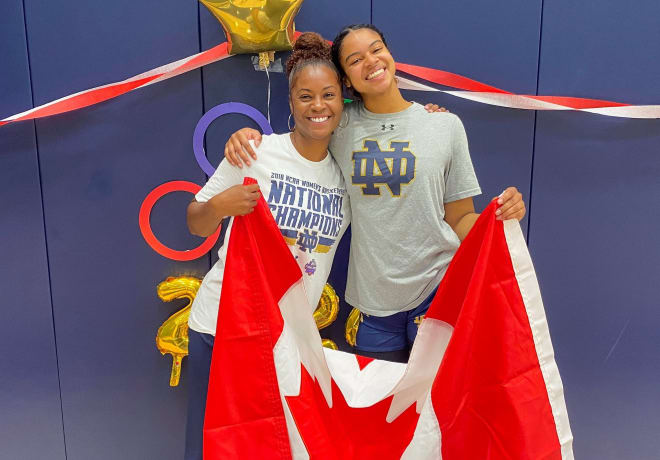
point(481, 382)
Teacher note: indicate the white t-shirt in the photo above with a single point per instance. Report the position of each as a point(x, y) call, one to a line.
point(309, 203)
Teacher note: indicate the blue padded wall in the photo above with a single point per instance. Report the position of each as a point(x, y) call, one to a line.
point(595, 223)
point(98, 164)
point(29, 393)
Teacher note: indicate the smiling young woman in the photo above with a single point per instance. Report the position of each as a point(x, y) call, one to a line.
point(368, 68)
point(316, 106)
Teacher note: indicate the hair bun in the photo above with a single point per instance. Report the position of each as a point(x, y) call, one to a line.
point(311, 41)
point(309, 45)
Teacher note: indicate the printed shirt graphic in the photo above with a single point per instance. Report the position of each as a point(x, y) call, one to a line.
point(400, 170)
point(307, 200)
point(392, 167)
point(309, 215)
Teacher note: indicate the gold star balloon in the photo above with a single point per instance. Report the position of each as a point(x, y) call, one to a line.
point(256, 26)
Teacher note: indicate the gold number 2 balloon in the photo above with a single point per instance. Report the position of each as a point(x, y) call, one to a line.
point(352, 324)
point(255, 26)
point(326, 312)
point(172, 336)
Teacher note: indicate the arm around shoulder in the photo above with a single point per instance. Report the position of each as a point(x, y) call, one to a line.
point(238, 149)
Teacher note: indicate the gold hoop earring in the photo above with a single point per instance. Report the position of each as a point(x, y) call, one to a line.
point(288, 123)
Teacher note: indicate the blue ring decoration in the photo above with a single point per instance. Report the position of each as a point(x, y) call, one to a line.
point(217, 112)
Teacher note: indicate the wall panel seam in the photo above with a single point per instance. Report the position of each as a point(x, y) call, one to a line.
point(536, 113)
point(43, 217)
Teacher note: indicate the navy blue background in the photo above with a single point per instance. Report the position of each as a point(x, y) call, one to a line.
point(82, 376)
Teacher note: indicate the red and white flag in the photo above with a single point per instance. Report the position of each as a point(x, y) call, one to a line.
point(481, 382)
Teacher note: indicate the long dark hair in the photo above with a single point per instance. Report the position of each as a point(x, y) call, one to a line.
point(336, 48)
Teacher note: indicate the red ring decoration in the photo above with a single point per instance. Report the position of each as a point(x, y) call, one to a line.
point(148, 234)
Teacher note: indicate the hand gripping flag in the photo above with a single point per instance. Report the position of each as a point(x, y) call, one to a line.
point(481, 382)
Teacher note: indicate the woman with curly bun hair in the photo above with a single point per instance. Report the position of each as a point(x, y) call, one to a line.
point(305, 191)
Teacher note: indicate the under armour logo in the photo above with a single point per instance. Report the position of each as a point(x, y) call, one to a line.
point(307, 241)
point(387, 127)
point(373, 167)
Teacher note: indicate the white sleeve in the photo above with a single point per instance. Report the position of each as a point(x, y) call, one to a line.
point(225, 176)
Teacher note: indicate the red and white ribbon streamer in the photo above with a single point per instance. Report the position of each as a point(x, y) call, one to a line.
point(485, 94)
point(110, 91)
point(466, 89)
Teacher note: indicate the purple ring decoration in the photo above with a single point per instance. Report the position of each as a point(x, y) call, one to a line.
point(217, 112)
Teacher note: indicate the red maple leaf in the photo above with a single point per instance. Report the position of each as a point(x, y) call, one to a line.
point(344, 432)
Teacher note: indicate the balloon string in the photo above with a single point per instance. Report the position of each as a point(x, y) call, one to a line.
point(268, 97)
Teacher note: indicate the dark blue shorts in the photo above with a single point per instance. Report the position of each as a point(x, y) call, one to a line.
point(391, 333)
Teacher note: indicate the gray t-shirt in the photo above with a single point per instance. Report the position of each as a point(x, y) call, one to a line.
point(400, 169)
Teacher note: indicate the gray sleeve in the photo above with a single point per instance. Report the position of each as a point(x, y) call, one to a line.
point(347, 209)
point(460, 179)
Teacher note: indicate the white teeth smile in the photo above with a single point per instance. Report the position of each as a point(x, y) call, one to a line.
point(319, 120)
point(375, 74)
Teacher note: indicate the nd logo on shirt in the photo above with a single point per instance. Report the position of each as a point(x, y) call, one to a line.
point(374, 167)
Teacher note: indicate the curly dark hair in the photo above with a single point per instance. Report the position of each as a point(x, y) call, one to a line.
point(309, 49)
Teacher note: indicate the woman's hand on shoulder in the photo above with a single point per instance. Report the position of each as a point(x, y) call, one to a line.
point(511, 205)
point(430, 108)
point(238, 149)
